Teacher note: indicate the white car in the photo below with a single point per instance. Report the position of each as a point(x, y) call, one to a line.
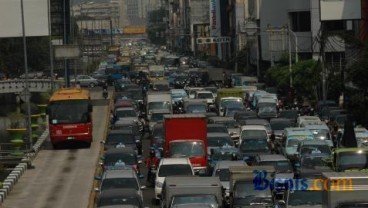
point(171, 167)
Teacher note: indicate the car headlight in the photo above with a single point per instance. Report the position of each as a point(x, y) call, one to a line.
point(158, 184)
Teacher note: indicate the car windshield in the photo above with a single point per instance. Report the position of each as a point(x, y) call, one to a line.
point(219, 141)
point(253, 145)
point(321, 134)
point(205, 96)
point(217, 129)
point(156, 73)
point(125, 113)
point(305, 198)
point(179, 95)
point(115, 159)
point(233, 103)
point(114, 183)
point(174, 170)
point(254, 134)
point(186, 149)
point(353, 160)
point(267, 109)
point(279, 125)
point(194, 199)
point(246, 188)
point(223, 174)
point(113, 139)
point(124, 200)
point(223, 155)
point(161, 87)
point(157, 117)
point(69, 112)
point(315, 149)
point(196, 109)
point(288, 114)
point(159, 105)
point(310, 162)
point(293, 142)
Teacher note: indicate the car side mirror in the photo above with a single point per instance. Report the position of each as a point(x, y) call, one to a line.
point(96, 189)
point(143, 187)
point(98, 178)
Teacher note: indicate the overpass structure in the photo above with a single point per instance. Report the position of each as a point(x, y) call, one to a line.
point(35, 85)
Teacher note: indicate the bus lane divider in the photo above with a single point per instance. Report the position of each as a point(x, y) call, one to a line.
point(19, 170)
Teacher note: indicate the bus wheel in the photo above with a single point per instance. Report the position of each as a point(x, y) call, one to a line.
point(55, 146)
point(88, 145)
point(92, 85)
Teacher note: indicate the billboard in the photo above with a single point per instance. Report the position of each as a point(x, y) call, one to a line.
point(134, 30)
point(340, 9)
point(35, 18)
point(198, 13)
point(215, 18)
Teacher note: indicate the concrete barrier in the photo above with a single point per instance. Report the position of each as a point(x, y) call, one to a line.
point(19, 170)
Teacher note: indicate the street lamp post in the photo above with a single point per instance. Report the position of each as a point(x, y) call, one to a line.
point(27, 93)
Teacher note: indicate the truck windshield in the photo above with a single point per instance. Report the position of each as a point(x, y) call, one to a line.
point(156, 117)
point(177, 169)
point(297, 198)
point(245, 189)
point(187, 149)
point(321, 134)
point(353, 160)
point(69, 112)
point(194, 199)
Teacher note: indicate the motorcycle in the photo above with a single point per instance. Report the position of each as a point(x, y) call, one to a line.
point(105, 94)
point(152, 175)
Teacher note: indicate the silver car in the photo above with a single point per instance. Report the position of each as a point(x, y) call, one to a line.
point(84, 81)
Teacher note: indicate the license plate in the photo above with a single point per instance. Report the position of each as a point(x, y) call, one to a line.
point(70, 138)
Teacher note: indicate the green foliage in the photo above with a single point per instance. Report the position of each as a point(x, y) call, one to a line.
point(12, 57)
point(305, 74)
point(358, 72)
point(16, 119)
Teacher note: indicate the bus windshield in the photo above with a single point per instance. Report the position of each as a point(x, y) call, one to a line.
point(69, 112)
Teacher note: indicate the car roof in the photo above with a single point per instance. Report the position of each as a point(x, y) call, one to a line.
point(272, 157)
point(253, 127)
point(172, 161)
point(316, 127)
point(297, 131)
point(121, 150)
point(204, 91)
point(314, 142)
point(124, 108)
point(216, 125)
point(225, 164)
point(256, 121)
point(120, 173)
point(118, 131)
point(178, 90)
point(221, 118)
point(279, 120)
point(218, 134)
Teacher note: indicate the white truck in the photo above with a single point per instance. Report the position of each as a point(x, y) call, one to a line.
point(159, 100)
point(344, 189)
point(248, 186)
point(191, 191)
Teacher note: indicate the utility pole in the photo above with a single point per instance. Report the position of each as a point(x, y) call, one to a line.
point(324, 72)
point(290, 64)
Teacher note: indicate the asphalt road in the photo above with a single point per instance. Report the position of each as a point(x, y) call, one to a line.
point(65, 178)
point(61, 178)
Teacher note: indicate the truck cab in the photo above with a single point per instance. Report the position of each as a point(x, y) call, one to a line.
point(248, 186)
point(349, 159)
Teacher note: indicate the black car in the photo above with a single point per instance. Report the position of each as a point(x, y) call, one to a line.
point(123, 197)
point(121, 138)
point(117, 157)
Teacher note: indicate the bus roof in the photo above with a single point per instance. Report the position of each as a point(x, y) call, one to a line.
point(70, 94)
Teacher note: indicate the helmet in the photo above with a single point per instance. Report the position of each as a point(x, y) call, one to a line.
point(152, 153)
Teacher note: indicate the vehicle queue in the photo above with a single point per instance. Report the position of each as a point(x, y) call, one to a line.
point(227, 143)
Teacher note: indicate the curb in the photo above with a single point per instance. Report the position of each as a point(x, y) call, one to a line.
point(19, 170)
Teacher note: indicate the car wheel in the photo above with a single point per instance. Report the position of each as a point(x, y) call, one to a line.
point(92, 84)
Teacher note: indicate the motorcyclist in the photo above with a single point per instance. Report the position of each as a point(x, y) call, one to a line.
point(151, 160)
point(272, 143)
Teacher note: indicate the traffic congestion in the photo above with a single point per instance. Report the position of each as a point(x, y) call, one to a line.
point(185, 134)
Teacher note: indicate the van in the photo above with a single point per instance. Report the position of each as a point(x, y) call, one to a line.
point(291, 139)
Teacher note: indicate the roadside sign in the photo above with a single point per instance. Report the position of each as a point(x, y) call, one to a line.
point(210, 40)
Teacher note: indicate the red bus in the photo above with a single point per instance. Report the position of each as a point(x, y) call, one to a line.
point(70, 117)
